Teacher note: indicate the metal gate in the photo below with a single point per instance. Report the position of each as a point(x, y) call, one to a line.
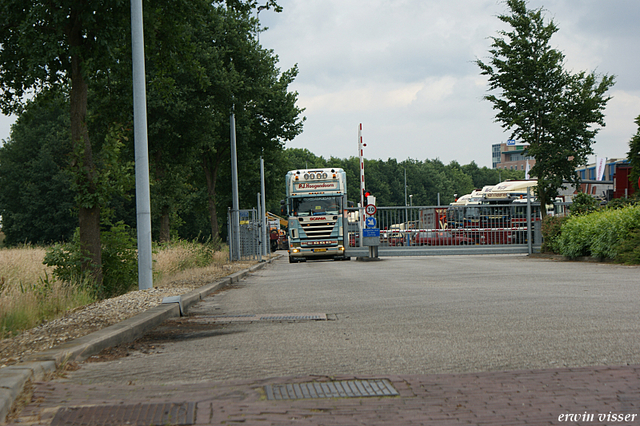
point(249, 235)
point(435, 230)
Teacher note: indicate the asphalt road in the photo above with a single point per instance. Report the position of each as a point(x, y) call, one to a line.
point(406, 315)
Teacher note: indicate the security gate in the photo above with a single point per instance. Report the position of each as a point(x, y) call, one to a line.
point(249, 235)
point(469, 229)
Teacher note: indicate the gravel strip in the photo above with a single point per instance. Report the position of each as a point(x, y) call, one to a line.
point(87, 319)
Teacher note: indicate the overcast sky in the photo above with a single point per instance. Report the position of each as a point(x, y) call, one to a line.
point(405, 70)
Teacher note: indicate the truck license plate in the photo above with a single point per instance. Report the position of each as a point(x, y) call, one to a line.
point(319, 250)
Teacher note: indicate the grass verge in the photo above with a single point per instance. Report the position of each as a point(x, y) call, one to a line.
point(30, 295)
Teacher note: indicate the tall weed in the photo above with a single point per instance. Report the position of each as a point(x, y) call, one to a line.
point(180, 255)
point(30, 291)
point(29, 294)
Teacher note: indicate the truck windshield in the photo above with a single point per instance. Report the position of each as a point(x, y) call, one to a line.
point(311, 206)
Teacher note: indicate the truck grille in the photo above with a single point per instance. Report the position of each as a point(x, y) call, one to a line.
point(318, 230)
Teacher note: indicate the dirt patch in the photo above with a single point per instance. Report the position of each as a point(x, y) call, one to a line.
point(170, 331)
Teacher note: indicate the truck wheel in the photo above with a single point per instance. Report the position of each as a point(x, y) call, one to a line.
point(292, 260)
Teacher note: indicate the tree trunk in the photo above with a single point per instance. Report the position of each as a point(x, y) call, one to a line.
point(543, 199)
point(88, 217)
point(165, 225)
point(89, 224)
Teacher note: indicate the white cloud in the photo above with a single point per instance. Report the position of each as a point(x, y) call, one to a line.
point(405, 69)
point(5, 126)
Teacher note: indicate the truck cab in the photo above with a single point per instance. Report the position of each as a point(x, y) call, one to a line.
point(315, 206)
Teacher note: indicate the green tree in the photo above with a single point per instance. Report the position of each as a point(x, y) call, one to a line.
point(351, 167)
point(462, 182)
point(36, 201)
point(176, 74)
point(248, 83)
point(486, 176)
point(302, 158)
point(634, 156)
point(64, 46)
point(553, 111)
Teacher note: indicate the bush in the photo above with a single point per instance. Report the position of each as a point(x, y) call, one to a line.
point(119, 261)
point(583, 204)
point(574, 237)
point(551, 230)
point(617, 203)
point(598, 234)
point(629, 251)
point(66, 260)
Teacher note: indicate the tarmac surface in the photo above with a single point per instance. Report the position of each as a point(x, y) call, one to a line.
point(583, 393)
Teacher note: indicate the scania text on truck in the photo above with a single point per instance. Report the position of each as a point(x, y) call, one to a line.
point(315, 206)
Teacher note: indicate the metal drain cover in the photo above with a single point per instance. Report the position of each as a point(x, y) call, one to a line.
point(259, 317)
point(337, 389)
point(135, 415)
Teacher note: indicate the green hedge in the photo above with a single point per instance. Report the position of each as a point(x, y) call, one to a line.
point(598, 234)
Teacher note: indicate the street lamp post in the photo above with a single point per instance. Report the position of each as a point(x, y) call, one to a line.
point(260, 9)
point(143, 197)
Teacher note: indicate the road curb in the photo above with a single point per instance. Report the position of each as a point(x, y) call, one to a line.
point(14, 377)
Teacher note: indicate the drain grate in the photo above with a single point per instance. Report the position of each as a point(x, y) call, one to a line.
point(259, 317)
point(337, 389)
point(135, 415)
point(293, 317)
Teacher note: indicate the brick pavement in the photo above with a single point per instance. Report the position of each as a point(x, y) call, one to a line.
point(537, 397)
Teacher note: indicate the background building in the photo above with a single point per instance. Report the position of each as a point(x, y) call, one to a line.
point(590, 172)
point(510, 156)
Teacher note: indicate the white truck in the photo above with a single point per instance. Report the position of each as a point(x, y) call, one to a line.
point(316, 209)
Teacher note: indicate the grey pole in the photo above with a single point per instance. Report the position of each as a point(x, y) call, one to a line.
point(529, 223)
point(261, 239)
point(143, 199)
point(229, 234)
point(263, 212)
point(405, 187)
point(406, 219)
point(235, 209)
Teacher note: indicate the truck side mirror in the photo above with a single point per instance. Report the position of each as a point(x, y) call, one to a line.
point(283, 208)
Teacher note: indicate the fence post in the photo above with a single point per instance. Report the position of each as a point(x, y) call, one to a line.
point(529, 220)
point(261, 235)
point(229, 239)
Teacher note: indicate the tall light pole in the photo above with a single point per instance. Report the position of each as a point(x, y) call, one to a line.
point(235, 209)
point(260, 9)
point(265, 222)
point(405, 187)
point(406, 219)
point(143, 198)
